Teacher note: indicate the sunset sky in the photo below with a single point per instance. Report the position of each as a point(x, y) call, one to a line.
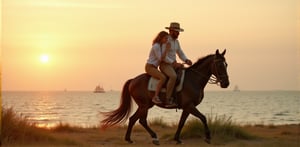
point(78, 44)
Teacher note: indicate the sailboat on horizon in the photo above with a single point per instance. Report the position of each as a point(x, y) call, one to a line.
point(99, 89)
point(236, 88)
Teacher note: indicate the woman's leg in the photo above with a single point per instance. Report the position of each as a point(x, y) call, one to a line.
point(162, 80)
point(151, 70)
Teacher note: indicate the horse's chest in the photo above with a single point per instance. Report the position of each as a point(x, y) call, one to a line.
point(201, 95)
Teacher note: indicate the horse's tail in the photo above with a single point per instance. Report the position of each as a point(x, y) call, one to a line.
point(122, 113)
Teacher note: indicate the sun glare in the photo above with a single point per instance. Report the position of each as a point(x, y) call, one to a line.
point(44, 58)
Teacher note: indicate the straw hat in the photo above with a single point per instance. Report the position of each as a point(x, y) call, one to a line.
point(175, 26)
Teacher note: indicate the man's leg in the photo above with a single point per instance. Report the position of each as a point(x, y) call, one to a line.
point(170, 72)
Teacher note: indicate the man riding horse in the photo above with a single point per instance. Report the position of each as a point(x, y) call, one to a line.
point(169, 63)
point(196, 78)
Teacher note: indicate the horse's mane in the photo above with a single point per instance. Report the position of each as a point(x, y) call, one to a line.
point(201, 60)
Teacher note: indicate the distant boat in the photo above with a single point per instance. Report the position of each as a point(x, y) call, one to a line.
point(99, 89)
point(236, 88)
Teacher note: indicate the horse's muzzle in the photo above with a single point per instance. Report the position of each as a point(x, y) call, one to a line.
point(224, 84)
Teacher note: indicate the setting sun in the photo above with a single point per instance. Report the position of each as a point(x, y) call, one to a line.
point(89, 40)
point(44, 58)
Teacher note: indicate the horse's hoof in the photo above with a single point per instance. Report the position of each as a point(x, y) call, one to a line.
point(129, 141)
point(155, 141)
point(207, 141)
point(179, 142)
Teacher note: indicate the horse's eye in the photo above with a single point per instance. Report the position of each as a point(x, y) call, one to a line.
point(225, 64)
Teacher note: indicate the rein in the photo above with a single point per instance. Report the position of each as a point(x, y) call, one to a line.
point(211, 79)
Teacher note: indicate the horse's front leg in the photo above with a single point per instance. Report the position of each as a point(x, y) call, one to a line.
point(183, 118)
point(198, 114)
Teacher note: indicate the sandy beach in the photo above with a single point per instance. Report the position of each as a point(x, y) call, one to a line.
point(282, 135)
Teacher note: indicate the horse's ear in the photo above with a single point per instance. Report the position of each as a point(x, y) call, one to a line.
point(217, 52)
point(224, 52)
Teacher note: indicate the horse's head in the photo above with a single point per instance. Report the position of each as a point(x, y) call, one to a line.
point(219, 69)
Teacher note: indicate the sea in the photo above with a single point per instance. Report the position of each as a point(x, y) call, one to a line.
point(83, 108)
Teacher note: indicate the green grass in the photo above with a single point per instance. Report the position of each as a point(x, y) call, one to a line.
point(221, 127)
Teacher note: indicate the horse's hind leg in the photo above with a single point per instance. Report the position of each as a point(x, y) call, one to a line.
point(132, 121)
point(143, 122)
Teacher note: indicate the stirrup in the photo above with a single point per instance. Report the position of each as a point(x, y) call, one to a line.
point(156, 100)
point(170, 105)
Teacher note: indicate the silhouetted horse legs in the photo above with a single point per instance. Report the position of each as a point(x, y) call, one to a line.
point(198, 114)
point(143, 122)
point(193, 110)
point(183, 118)
point(141, 114)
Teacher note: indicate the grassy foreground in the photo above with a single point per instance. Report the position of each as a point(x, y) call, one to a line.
point(17, 131)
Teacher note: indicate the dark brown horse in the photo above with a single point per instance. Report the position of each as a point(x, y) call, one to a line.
point(196, 78)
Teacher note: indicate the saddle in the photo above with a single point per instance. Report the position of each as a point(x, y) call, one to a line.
point(152, 84)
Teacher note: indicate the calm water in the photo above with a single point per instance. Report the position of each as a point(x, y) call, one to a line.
point(82, 108)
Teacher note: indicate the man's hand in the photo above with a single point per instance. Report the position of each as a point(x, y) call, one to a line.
point(177, 65)
point(188, 62)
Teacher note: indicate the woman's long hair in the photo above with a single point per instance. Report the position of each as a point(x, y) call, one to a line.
point(159, 37)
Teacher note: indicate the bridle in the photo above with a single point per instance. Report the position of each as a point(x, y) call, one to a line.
point(213, 79)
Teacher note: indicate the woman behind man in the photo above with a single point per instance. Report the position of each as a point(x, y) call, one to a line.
point(155, 57)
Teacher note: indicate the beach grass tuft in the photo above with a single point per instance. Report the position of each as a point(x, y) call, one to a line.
point(220, 126)
point(65, 127)
point(158, 122)
point(17, 129)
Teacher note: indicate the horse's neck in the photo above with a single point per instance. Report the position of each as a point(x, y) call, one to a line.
point(205, 68)
point(206, 71)
point(203, 73)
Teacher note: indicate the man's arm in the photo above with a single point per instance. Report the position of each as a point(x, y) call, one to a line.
point(182, 56)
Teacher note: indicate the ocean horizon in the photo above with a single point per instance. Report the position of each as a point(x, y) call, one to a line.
point(82, 108)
